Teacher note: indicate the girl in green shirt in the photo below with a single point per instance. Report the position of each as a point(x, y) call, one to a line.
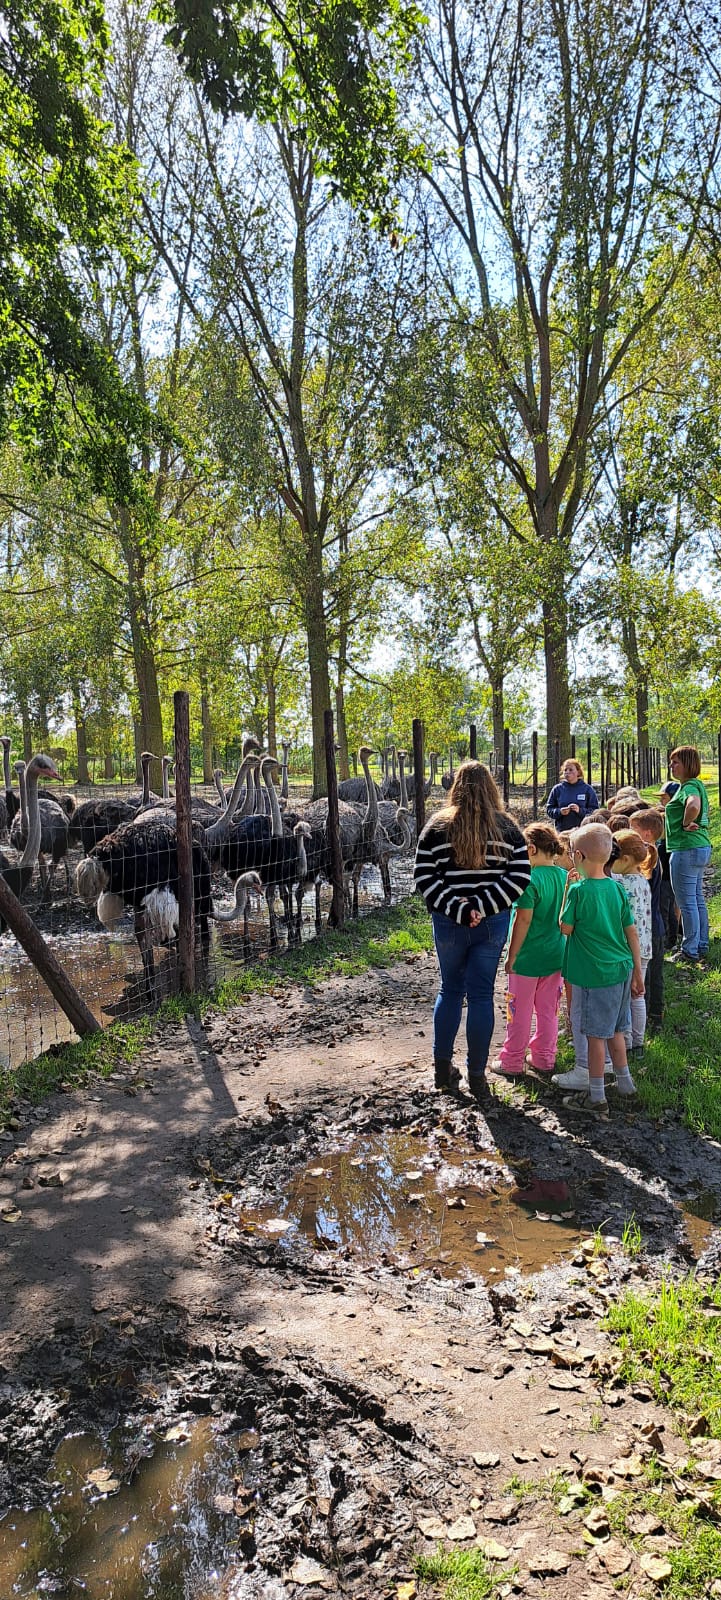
point(534, 960)
point(689, 847)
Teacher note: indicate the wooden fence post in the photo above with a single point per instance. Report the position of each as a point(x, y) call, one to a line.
point(573, 744)
point(589, 766)
point(534, 762)
point(473, 743)
point(506, 764)
point(418, 773)
point(184, 836)
point(46, 962)
point(556, 761)
point(337, 908)
point(602, 784)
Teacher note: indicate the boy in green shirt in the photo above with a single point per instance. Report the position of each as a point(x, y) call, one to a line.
point(602, 962)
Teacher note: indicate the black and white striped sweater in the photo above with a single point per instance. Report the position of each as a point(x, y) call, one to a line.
point(456, 891)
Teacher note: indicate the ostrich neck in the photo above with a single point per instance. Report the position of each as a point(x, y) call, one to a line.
point(166, 785)
point(284, 774)
point(248, 806)
point(219, 830)
point(145, 764)
point(402, 780)
point(302, 860)
point(30, 813)
point(370, 820)
point(258, 806)
point(217, 780)
point(276, 821)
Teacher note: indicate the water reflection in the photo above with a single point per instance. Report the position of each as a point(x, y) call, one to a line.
point(167, 1535)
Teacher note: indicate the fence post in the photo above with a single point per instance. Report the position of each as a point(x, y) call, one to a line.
point(337, 908)
point(45, 960)
point(418, 773)
point(589, 764)
point(602, 784)
point(634, 769)
point(534, 762)
point(184, 836)
point(573, 744)
point(506, 763)
point(473, 743)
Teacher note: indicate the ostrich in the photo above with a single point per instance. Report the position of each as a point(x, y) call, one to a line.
point(261, 841)
point(53, 830)
point(162, 911)
point(94, 819)
point(447, 777)
point(142, 856)
point(12, 800)
point(354, 790)
point(18, 874)
point(407, 785)
point(166, 764)
point(375, 845)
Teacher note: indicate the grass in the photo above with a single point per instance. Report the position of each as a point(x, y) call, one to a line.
point(696, 1562)
point(631, 1238)
point(377, 940)
point(672, 1341)
point(463, 1574)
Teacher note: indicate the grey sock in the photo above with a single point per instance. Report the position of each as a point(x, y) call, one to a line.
point(624, 1081)
point(596, 1089)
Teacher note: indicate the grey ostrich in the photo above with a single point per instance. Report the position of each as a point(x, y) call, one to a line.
point(53, 830)
point(375, 845)
point(18, 874)
point(11, 799)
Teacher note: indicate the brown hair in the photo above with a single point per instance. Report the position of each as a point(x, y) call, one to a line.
point(576, 763)
point(688, 755)
point(651, 821)
point(602, 815)
point(619, 820)
point(544, 837)
point(471, 813)
point(631, 844)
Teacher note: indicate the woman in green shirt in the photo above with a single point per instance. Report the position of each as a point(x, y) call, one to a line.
point(689, 847)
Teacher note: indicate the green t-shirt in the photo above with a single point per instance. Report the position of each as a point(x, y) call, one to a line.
point(597, 953)
point(677, 837)
point(542, 950)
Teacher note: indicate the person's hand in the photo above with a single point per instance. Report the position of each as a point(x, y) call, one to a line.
point(565, 810)
point(508, 965)
point(573, 875)
point(475, 918)
point(574, 808)
point(690, 827)
point(637, 984)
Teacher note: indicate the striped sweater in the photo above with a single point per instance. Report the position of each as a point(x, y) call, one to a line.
point(456, 891)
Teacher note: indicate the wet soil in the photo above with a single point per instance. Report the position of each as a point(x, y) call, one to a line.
point(241, 1272)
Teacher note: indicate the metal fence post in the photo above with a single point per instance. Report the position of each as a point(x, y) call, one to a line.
point(473, 743)
point(506, 764)
point(337, 909)
point(184, 836)
point(534, 763)
point(418, 765)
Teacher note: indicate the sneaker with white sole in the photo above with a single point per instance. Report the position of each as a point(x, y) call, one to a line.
point(586, 1106)
point(578, 1078)
point(505, 1072)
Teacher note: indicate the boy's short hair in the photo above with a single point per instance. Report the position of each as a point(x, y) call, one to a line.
point(620, 819)
point(628, 792)
point(595, 841)
point(602, 815)
point(650, 821)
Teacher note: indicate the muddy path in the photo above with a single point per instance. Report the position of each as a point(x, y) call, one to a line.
point(313, 1313)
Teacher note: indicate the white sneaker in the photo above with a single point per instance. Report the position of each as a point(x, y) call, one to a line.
point(577, 1078)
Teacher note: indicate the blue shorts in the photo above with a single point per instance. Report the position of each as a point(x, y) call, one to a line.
point(603, 1012)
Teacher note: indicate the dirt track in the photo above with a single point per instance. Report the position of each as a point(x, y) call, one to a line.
point(371, 1385)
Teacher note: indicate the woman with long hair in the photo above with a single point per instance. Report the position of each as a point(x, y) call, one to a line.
point(471, 866)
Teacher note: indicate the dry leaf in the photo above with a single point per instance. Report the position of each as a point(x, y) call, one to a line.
point(456, 1202)
point(406, 1591)
point(548, 1562)
point(249, 1439)
point(277, 1225)
point(432, 1527)
point(657, 1568)
point(523, 1456)
point(12, 1215)
point(614, 1558)
point(181, 1433)
point(462, 1528)
point(501, 1510)
point(305, 1571)
point(486, 1458)
point(493, 1551)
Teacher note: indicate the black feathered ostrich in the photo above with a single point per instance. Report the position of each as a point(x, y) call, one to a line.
point(18, 874)
point(53, 825)
point(137, 866)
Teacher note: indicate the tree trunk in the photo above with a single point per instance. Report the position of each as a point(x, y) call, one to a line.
point(558, 699)
point(207, 728)
point(341, 732)
point(498, 717)
point(81, 734)
point(27, 733)
point(146, 671)
point(108, 765)
point(320, 695)
point(272, 697)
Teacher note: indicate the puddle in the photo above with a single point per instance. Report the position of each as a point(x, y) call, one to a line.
point(165, 1536)
point(397, 1199)
point(704, 1204)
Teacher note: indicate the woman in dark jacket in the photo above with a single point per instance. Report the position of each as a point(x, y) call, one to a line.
point(571, 800)
point(471, 866)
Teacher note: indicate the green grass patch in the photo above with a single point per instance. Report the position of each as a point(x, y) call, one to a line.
point(462, 1574)
point(377, 940)
point(672, 1341)
point(696, 1562)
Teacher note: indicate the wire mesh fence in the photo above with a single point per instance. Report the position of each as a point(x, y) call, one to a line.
point(261, 872)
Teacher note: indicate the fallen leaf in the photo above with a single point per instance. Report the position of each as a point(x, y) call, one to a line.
point(456, 1202)
point(486, 1458)
point(549, 1450)
point(277, 1225)
point(103, 1481)
point(657, 1568)
point(644, 1524)
point(432, 1527)
point(614, 1558)
point(305, 1571)
point(406, 1591)
point(548, 1562)
point(249, 1439)
point(564, 1380)
point(462, 1528)
point(523, 1456)
point(484, 1238)
point(597, 1524)
point(501, 1510)
point(13, 1215)
point(180, 1433)
point(522, 1328)
point(628, 1466)
point(492, 1550)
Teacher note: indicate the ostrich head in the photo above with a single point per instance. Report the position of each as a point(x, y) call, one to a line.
point(365, 752)
point(91, 879)
point(43, 767)
point(250, 745)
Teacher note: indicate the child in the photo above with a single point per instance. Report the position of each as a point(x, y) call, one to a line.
point(648, 825)
point(629, 864)
point(602, 960)
point(534, 959)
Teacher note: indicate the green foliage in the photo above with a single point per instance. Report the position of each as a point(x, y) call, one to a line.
point(672, 1340)
point(463, 1575)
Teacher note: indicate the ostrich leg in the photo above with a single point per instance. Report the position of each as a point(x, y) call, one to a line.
point(146, 951)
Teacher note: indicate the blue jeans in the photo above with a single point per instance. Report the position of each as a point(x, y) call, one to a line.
point(687, 884)
point(468, 959)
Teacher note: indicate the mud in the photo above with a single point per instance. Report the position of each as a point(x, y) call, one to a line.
point(346, 1373)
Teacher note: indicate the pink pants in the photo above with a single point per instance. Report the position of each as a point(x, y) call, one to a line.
point(526, 995)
